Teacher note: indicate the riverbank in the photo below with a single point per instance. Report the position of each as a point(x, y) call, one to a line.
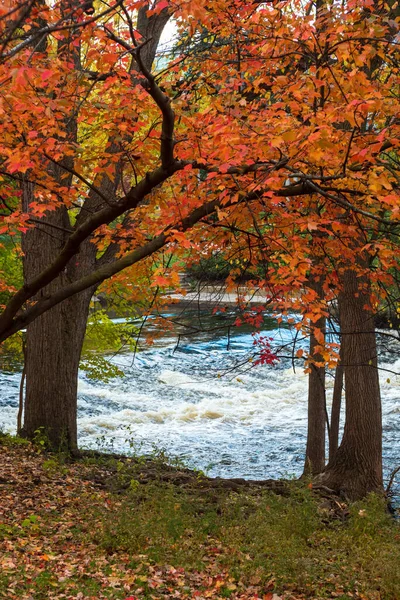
point(213, 295)
point(120, 528)
point(216, 295)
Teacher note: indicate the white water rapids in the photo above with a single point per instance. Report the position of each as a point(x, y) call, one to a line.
point(243, 423)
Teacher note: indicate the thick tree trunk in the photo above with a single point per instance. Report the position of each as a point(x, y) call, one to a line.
point(315, 449)
point(54, 344)
point(356, 467)
point(54, 340)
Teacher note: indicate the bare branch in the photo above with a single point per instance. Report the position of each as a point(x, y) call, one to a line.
point(162, 100)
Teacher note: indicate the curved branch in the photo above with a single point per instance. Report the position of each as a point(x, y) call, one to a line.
point(106, 271)
point(82, 233)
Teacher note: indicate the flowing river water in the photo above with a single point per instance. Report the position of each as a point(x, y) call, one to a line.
point(195, 394)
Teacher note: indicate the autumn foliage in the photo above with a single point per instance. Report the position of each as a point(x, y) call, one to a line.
point(289, 113)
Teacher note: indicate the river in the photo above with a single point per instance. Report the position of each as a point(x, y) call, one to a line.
point(195, 395)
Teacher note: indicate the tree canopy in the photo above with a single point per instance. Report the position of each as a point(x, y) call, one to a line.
point(289, 113)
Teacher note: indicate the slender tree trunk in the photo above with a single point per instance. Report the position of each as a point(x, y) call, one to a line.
point(315, 449)
point(335, 412)
point(21, 392)
point(356, 467)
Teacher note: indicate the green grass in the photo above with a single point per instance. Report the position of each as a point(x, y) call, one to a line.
point(7, 439)
point(259, 538)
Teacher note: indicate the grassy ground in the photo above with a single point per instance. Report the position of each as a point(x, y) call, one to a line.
point(118, 529)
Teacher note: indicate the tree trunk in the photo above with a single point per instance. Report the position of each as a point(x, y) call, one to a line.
point(315, 449)
point(54, 344)
point(335, 412)
point(54, 340)
point(356, 467)
point(21, 392)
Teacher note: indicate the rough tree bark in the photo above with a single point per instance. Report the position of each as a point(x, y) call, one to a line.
point(54, 340)
point(356, 467)
point(54, 344)
point(315, 449)
point(335, 412)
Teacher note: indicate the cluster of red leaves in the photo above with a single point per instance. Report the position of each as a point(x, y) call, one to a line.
point(265, 354)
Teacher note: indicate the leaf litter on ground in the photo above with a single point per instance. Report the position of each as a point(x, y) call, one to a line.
point(52, 517)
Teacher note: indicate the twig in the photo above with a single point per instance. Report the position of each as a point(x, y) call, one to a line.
point(21, 392)
point(391, 480)
point(41, 222)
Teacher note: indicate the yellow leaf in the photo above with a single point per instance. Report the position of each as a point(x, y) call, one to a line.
point(289, 136)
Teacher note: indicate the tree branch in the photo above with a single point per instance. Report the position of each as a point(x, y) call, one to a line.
point(106, 271)
point(83, 232)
